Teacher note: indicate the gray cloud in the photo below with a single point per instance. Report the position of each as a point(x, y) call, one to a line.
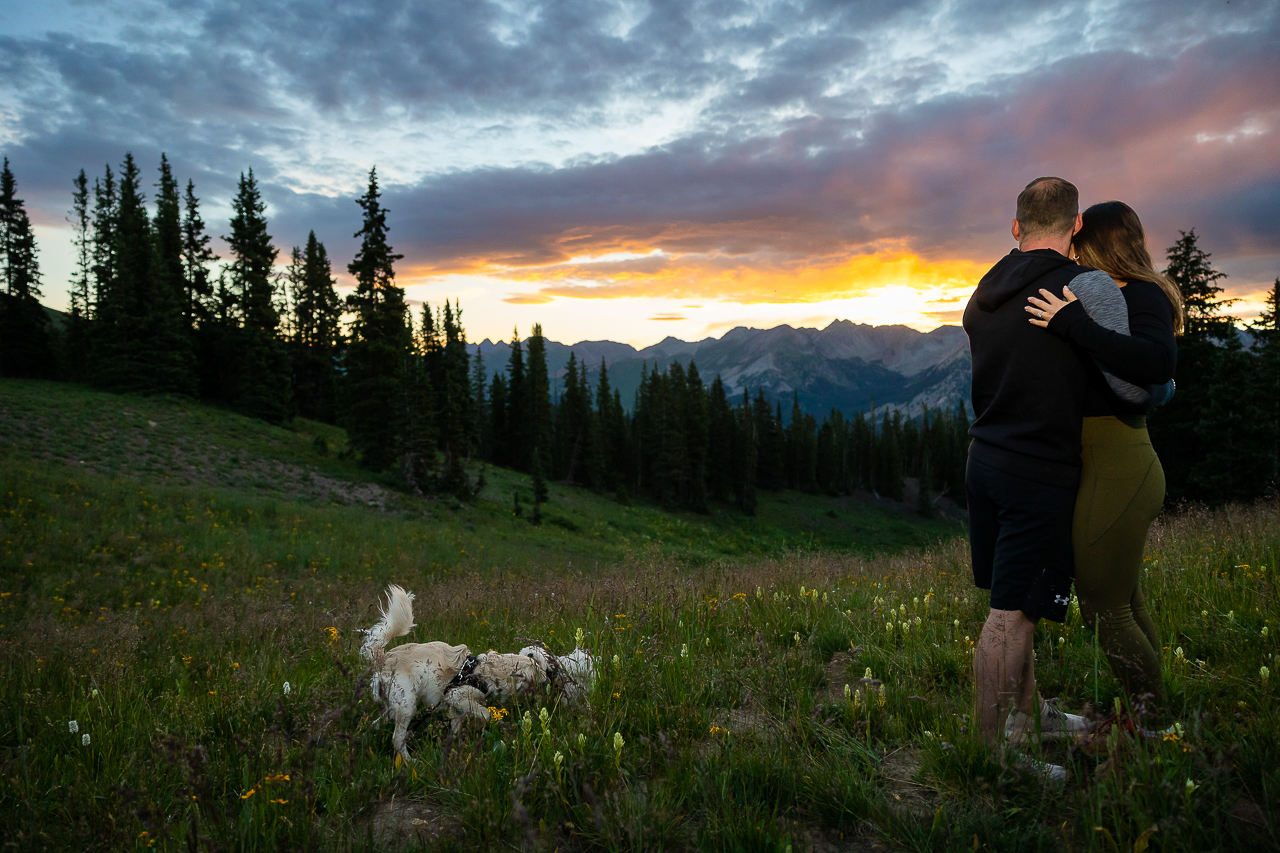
point(781, 161)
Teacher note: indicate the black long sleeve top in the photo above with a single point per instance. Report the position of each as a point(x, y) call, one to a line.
point(1147, 355)
point(1028, 387)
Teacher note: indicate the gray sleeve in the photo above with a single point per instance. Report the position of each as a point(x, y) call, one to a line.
point(1105, 305)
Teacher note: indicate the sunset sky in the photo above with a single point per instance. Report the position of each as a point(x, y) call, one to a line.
point(632, 170)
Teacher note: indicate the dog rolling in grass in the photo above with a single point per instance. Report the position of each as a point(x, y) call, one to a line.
point(427, 675)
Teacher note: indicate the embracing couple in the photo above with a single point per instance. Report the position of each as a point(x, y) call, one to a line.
point(1072, 338)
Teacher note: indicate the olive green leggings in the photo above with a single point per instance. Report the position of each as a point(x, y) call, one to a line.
point(1121, 492)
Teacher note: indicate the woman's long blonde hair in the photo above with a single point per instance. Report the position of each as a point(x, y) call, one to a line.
point(1112, 240)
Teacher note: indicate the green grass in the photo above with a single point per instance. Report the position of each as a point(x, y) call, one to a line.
point(164, 616)
point(182, 452)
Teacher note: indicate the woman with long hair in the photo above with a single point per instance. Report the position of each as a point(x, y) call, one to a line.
point(1121, 483)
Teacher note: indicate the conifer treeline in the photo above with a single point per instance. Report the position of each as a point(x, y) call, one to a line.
point(151, 313)
point(685, 443)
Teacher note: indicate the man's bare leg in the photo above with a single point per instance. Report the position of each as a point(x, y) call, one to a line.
point(1003, 671)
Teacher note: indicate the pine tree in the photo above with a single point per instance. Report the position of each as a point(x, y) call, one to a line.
point(572, 424)
point(262, 390)
point(538, 485)
point(81, 290)
point(1266, 376)
point(373, 391)
point(454, 415)
point(612, 434)
point(196, 258)
point(1179, 431)
point(106, 204)
point(517, 432)
point(123, 307)
point(746, 452)
point(696, 434)
point(166, 334)
point(499, 431)
point(723, 456)
point(419, 437)
point(1232, 428)
point(26, 345)
point(538, 394)
point(316, 334)
point(480, 408)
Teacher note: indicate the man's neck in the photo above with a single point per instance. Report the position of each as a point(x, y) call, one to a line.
point(1061, 245)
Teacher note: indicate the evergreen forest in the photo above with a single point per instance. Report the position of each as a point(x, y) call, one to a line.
point(152, 311)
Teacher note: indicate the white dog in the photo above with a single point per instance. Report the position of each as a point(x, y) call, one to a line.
point(432, 673)
point(409, 673)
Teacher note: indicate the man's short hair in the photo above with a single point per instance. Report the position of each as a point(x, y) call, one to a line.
point(1048, 206)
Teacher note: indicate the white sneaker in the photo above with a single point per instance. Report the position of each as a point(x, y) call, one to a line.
point(1054, 723)
point(1055, 773)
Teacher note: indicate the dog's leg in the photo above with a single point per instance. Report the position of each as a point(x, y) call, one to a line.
point(404, 703)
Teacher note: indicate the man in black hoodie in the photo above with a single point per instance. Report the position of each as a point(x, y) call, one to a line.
point(1024, 463)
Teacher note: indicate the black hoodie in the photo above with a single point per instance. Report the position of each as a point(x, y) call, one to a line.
point(1028, 386)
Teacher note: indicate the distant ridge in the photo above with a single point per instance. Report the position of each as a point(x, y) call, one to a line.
point(847, 366)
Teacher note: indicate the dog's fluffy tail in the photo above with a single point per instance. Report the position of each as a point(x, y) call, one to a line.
point(397, 620)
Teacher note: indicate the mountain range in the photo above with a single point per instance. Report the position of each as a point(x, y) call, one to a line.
point(846, 366)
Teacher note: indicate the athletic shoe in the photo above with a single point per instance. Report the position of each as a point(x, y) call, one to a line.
point(1054, 723)
point(1173, 732)
point(1055, 773)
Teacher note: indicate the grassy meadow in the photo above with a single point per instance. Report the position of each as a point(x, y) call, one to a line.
point(798, 681)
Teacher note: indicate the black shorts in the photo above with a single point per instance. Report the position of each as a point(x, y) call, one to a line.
point(1020, 541)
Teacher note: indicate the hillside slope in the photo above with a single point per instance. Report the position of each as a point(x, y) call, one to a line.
point(185, 452)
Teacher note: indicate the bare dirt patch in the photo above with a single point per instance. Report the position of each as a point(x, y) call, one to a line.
point(899, 770)
point(406, 824)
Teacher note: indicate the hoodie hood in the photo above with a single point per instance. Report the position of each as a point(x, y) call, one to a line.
point(1012, 273)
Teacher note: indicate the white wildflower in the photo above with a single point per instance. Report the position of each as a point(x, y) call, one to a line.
point(73, 726)
point(684, 650)
point(84, 739)
point(286, 688)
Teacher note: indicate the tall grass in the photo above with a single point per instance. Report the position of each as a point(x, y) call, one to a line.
point(752, 696)
point(167, 631)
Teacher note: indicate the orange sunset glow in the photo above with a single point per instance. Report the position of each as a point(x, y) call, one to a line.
point(645, 171)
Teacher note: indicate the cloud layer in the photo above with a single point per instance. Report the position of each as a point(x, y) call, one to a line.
point(720, 150)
